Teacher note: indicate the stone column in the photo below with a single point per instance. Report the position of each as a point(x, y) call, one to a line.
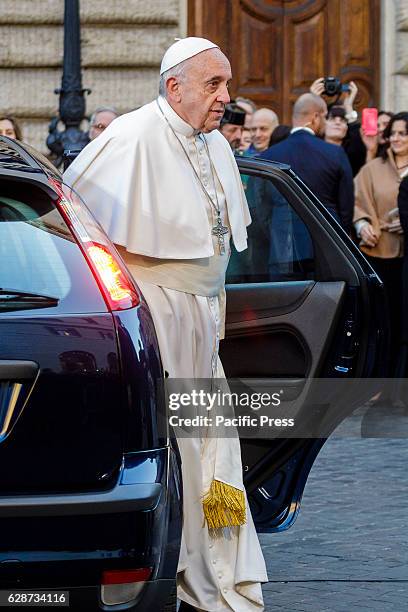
point(401, 57)
point(394, 55)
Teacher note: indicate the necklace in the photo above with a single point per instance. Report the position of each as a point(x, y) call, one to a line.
point(219, 230)
point(403, 166)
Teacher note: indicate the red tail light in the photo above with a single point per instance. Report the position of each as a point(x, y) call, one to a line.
point(126, 576)
point(117, 286)
point(121, 294)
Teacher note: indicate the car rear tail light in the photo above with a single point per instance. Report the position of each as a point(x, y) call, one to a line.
point(116, 285)
point(123, 586)
point(112, 277)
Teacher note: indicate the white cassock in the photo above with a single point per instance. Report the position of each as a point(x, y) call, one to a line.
point(138, 183)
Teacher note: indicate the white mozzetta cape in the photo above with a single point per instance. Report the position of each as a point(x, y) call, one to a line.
point(136, 180)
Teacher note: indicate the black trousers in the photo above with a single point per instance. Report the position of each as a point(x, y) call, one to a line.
point(390, 272)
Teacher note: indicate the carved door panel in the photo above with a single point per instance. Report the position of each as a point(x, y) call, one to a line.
point(278, 48)
point(331, 37)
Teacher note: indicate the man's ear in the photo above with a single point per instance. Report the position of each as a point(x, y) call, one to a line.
point(315, 120)
point(173, 89)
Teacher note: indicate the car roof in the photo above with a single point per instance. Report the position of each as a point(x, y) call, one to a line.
point(19, 159)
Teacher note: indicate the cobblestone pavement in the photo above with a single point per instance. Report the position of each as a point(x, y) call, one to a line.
point(348, 549)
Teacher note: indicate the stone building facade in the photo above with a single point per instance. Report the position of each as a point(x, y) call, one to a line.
point(122, 44)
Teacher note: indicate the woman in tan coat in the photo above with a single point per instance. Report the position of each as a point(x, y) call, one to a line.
point(377, 222)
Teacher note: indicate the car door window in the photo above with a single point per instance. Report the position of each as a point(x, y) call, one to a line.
point(280, 247)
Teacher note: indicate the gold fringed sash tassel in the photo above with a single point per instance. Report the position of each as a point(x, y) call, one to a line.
point(224, 506)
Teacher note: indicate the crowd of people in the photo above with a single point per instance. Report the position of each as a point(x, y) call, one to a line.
point(98, 122)
point(359, 177)
point(140, 178)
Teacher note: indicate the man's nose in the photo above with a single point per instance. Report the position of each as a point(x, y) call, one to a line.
point(224, 96)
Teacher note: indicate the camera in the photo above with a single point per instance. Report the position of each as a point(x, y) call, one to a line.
point(334, 87)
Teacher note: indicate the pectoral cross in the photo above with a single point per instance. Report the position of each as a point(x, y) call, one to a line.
point(219, 230)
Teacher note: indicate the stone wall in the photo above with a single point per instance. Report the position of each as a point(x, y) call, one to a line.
point(401, 56)
point(394, 55)
point(122, 45)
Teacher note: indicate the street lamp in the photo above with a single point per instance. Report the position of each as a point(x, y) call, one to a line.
point(71, 95)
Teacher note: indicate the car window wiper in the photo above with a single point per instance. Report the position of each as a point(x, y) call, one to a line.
point(14, 299)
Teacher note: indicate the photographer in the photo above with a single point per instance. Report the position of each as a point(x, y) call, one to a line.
point(330, 86)
point(358, 147)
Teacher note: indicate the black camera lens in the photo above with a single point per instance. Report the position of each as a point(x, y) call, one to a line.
point(332, 86)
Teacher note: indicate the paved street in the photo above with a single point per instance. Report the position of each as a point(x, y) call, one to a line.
point(348, 549)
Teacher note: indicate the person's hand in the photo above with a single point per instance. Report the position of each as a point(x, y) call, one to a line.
point(370, 143)
point(317, 87)
point(395, 227)
point(350, 97)
point(368, 236)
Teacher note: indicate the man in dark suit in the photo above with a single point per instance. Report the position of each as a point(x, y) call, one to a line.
point(323, 167)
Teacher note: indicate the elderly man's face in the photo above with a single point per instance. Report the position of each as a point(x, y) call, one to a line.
point(262, 125)
point(100, 123)
point(203, 92)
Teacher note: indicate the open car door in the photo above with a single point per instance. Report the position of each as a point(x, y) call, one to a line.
point(303, 305)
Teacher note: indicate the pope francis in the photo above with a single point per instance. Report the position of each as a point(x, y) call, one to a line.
point(163, 182)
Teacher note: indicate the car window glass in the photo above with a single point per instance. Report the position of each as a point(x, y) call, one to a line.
point(39, 255)
point(280, 247)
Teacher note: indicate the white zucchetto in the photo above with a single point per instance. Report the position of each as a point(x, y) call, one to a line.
point(184, 49)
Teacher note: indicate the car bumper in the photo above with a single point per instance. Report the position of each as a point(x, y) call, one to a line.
point(72, 539)
point(154, 596)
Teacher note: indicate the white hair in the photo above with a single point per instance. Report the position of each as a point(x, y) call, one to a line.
point(178, 71)
point(103, 109)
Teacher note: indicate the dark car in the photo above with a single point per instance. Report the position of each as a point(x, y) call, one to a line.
point(90, 487)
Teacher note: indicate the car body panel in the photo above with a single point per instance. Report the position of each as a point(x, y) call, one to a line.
point(328, 323)
point(88, 480)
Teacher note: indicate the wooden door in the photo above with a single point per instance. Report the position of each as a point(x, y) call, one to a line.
point(277, 48)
